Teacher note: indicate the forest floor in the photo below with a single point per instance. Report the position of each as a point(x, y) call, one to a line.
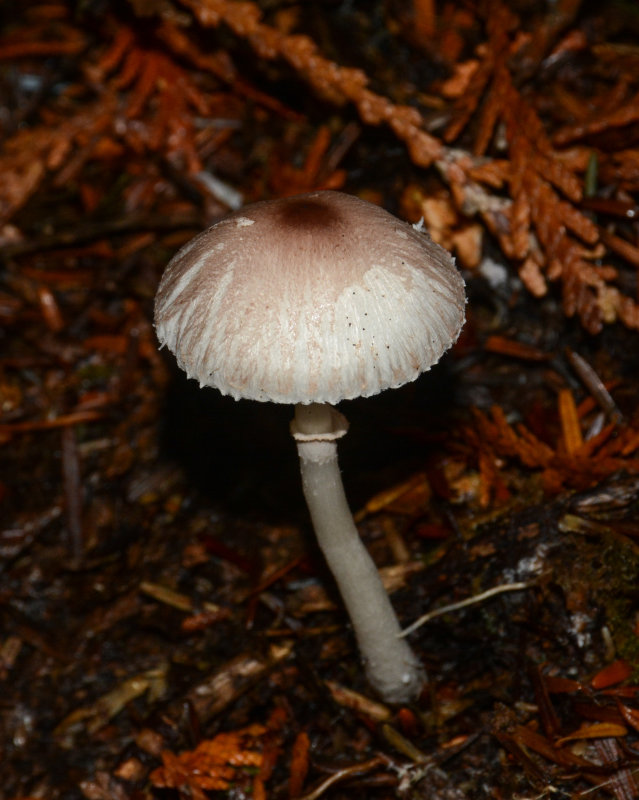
point(169, 628)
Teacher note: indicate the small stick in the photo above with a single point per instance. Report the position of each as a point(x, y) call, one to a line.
point(174, 599)
point(342, 775)
point(570, 426)
point(64, 421)
point(72, 491)
point(594, 384)
point(469, 601)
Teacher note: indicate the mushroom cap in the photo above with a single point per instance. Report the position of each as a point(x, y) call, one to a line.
point(320, 297)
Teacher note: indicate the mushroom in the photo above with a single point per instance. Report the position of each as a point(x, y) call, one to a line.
point(310, 300)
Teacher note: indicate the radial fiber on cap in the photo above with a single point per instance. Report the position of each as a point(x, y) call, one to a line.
point(316, 298)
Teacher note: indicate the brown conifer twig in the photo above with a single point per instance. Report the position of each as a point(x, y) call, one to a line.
point(336, 83)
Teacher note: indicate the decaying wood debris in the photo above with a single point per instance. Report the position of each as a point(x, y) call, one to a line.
point(168, 630)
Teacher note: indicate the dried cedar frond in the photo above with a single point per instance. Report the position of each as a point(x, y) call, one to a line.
point(543, 227)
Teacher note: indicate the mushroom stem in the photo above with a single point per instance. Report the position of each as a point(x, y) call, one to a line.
point(391, 666)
